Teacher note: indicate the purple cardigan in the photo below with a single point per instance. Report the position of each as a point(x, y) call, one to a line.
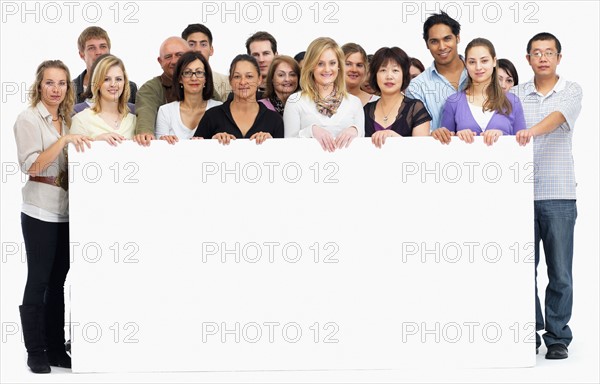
point(457, 116)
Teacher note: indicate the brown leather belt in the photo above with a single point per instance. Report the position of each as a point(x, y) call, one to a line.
point(44, 179)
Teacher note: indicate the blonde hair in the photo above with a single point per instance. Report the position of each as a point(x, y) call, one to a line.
point(311, 59)
point(65, 109)
point(102, 68)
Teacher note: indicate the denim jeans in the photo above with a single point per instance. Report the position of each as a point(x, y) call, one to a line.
point(555, 227)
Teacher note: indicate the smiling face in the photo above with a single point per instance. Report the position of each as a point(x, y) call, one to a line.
point(53, 87)
point(191, 81)
point(389, 78)
point(442, 44)
point(326, 70)
point(356, 70)
point(244, 80)
point(112, 85)
point(285, 79)
point(480, 64)
point(544, 66)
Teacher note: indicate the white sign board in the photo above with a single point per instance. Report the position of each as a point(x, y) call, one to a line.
point(203, 257)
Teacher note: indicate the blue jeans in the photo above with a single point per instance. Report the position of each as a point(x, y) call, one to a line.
point(555, 227)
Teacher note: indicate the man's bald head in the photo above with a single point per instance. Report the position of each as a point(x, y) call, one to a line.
point(170, 51)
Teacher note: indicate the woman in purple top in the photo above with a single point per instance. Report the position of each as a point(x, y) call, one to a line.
point(282, 81)
point(394, 114)
point(482, 108)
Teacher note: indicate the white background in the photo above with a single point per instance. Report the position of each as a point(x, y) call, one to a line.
point(395, 269)
point(29, 39)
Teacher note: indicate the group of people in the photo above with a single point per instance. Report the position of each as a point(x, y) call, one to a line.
point(330, 93)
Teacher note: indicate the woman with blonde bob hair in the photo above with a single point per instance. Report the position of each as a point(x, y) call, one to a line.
point(324, 109)
point(42, 136)
point(109, 118)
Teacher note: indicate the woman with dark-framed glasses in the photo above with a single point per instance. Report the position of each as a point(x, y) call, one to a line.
point(193, 94)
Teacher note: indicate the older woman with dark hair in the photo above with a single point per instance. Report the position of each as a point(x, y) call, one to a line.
point(243, 116)
point(282, 81)
point(394, 114)
point(42, 136)
point(193, 94)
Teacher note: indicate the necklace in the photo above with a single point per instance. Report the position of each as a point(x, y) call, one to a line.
point(108, 120)
point(385, 115)
point(57, 117)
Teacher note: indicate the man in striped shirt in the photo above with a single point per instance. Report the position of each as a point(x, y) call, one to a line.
point(552, 105)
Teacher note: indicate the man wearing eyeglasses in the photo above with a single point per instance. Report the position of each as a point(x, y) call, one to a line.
point(157, 91)
point(552, 105)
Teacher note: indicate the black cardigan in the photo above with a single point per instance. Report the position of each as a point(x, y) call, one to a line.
point(219, 119)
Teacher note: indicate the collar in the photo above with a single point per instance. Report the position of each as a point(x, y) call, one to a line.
point(46, 115)
point(559, 86)
point(43, 111)
point(433, 68)
point(165, 80)
point(227, 109)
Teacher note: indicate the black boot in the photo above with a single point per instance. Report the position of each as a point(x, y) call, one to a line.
point(55, 332)
point(32, 322)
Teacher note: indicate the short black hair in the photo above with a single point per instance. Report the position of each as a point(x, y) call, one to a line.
point(300, 56)
point(195, 28)
point(184, 60)
point(440, 18)
point(544, 36)
point(382, 57)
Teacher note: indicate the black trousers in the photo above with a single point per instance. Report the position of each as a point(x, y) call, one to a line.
point(47, 247)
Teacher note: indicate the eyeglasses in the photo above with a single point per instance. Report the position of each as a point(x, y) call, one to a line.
point(199, 74)
point(538, 55)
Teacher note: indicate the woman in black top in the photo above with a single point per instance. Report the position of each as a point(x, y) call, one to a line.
point(394, 114)
point(243, 117)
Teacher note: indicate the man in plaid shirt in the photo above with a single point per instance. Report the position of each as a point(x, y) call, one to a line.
point(551, 105)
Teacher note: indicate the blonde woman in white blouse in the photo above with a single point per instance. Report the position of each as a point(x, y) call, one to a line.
point(42, 136)
point(109, 118)
point(324, 109)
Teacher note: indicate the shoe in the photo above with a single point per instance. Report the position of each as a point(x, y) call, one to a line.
point(55, 331)
point(59, 359)
point(32, 322)
point(557, 352)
